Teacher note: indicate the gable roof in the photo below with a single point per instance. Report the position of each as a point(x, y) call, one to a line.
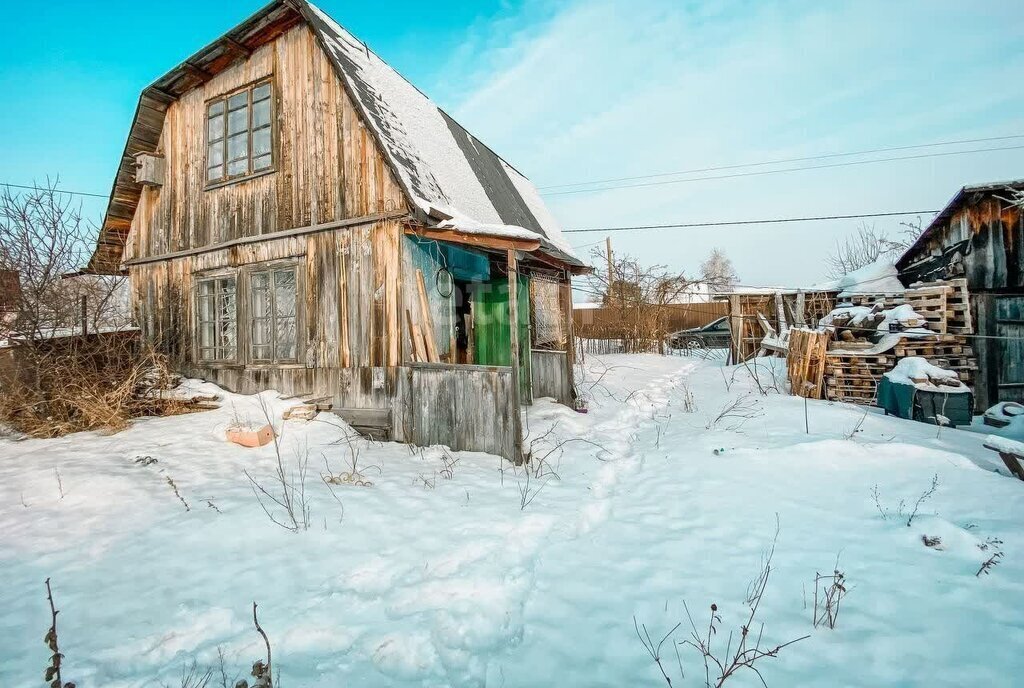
point(962, 196)
point(449, 176)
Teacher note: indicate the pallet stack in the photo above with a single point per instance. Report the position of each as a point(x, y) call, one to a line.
point(958, 307)
point(930, 303)
point(854, 377)
point(869, 300)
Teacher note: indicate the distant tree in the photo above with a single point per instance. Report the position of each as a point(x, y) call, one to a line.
point(870, 244)
point(43, 240)
point(638, 294)
point(717, 271)
point(631, 284)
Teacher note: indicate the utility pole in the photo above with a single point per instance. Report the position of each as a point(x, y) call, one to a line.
point(611, 274)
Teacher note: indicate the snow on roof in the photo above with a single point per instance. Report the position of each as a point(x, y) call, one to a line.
point(880, 277)
point(438, 162)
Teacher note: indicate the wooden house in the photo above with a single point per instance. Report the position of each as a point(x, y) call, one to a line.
point(978, 236)
point(294, 215)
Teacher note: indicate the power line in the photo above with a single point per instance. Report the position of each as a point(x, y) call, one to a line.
point(747, 222)
point(60, 191)
point(780, 161)
point(791, 169)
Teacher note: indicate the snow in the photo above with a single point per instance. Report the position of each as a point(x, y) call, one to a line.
point(1008, 417)
point(914, 370)
point(426, 581)
point(859, 315)
point(1005, 445)
point(880, 277)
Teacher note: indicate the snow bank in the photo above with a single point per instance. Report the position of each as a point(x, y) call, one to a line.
point(659, 497)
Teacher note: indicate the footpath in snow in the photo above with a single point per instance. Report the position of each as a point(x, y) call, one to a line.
point(458, 569)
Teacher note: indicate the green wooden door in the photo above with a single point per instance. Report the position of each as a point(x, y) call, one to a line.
point(491, 333)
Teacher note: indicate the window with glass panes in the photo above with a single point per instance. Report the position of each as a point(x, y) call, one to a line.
point(217, 319)
point(273, 309)
point(239, 134)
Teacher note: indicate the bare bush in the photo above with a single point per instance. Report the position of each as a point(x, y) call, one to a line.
point(287, 487)
point(654, 649)
point(735, 414)
point(66, 385)
point(192, 676)
point(925, 496)
point(749, 650)
point(829, 591)
point(902, 505)
point(53, 671)
point(995, 546)
point(70, 363)
point(44, 243)
point(721, 664)
point(354, 475)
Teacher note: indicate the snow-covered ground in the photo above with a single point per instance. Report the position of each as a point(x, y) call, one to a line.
point(436, 578)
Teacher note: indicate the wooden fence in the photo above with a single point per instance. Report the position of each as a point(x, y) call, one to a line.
point(600, 323)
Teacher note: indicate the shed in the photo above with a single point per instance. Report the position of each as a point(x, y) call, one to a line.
point(978, 237)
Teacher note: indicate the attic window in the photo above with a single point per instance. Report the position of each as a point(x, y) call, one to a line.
point(239, 130)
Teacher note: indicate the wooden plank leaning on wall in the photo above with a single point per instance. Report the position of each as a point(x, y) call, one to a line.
point(513, 318)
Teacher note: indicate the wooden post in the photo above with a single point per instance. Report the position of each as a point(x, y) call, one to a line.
point(608, 250)
point(570, 334)
point(513, 317)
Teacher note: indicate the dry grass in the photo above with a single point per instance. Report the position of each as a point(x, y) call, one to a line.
point(76, 384)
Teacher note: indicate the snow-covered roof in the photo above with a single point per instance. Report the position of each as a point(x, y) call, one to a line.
point(442, 166)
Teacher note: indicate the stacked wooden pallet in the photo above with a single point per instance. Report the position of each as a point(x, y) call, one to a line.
point(958, 306)
point(869, 300)
point(930, 304)
point(854, 377)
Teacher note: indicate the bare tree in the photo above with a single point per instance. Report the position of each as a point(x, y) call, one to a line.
point(718, 272)
point(64, 383)
point(639, 295)
point(44, 243)
point(869, 244)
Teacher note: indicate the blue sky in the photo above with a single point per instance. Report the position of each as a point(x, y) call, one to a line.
point(573, 91)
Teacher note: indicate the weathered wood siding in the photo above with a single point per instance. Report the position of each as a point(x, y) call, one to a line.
point(326, 165)
point(992, 234)
point(465, 407)
point(349, 301)
point(551, 376)
point(319, 209)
